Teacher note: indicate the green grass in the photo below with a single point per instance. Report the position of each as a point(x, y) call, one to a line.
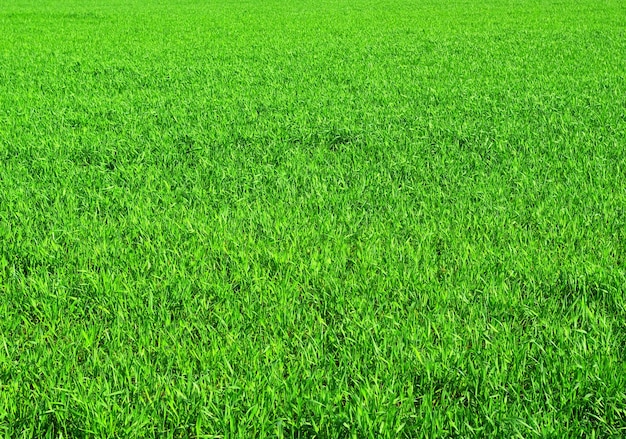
point(327, 219)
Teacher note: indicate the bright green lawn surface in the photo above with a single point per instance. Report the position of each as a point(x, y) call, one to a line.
point(312, 219)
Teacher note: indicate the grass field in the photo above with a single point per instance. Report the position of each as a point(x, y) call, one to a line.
point(263, 218)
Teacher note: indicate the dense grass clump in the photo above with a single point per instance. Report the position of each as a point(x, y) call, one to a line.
point(347, 218)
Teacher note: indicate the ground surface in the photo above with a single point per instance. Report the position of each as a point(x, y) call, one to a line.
point(312, 218)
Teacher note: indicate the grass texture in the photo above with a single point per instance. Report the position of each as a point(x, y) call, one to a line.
point(331, 219)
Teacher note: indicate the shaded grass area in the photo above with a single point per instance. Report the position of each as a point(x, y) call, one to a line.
point(336, 219)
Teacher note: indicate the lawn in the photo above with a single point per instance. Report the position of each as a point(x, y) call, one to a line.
point(331, 219)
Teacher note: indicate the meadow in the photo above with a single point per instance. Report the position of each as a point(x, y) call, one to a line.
point(331, 219)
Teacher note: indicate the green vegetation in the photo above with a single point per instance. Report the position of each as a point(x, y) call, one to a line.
point(347, 218)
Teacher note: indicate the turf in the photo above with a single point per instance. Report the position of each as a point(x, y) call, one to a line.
point(263, 218)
